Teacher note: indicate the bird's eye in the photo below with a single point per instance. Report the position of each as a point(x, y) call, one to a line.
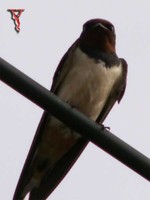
point(85, 28)
point(110, 27)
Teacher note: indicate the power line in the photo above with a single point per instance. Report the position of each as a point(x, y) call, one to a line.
point(74, 119)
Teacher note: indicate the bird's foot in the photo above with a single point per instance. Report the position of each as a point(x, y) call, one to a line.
point(104, 127)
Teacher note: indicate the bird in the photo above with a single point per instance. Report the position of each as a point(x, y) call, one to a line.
point(91, 78)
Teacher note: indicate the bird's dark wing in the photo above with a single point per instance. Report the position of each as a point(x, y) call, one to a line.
point(62, 69)
point(117, 96)
point(27, 168)
point(56, 175)
point(63, 165)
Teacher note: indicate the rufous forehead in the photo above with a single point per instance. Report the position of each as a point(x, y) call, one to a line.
point(96, 21)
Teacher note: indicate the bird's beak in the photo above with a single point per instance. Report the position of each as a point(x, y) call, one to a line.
point(101, 25)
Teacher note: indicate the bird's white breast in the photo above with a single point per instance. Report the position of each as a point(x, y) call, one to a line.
point(88, 83)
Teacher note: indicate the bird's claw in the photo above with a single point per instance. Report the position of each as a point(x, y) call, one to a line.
point(104, 127)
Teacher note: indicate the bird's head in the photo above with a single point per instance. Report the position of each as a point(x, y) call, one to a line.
point(98, 34)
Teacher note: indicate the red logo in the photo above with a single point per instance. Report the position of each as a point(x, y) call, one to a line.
point(15, 14)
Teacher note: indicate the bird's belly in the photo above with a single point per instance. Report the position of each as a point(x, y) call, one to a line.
point(88, 89)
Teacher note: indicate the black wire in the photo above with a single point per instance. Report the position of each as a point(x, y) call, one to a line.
point(74, 119)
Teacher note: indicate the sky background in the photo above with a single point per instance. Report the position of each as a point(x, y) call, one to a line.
point(48, 28)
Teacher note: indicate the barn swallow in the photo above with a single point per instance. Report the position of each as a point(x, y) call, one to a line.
point(91, 78)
